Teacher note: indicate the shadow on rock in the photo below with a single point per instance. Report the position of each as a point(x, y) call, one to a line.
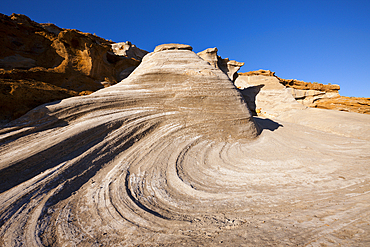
point(35, 120)
point(249, 95)
point(265, 123)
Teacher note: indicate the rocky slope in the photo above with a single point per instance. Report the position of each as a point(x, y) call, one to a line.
point(316, 95)
point(40, 63)
point(172, 156)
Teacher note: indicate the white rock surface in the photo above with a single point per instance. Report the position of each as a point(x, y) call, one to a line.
point(307, 97)
point(127, 49)
point(171, 156)
point(268, 98)
point(266, 95)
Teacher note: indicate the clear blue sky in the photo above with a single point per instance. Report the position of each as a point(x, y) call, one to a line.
point(315, 41)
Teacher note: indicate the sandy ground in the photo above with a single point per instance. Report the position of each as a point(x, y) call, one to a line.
point(171, 156)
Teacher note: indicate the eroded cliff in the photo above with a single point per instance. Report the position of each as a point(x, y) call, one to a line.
point(41, 63)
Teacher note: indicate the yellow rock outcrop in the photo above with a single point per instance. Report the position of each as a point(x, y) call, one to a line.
point(40, 63)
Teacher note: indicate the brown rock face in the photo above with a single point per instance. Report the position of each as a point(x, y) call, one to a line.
point(323, 96)
point(40, 63)
point(342, 103)
point(297, 84)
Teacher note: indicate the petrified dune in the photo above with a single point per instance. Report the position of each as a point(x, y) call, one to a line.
point(172, 155)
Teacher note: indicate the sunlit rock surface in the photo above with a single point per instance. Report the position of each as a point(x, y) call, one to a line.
point(172, 156)
point(314, 95)
point(265, 95)
point(127, 49)
point(229, 67)
point(41, 63)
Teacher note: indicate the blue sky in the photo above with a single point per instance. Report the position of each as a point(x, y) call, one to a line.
point(315, 41)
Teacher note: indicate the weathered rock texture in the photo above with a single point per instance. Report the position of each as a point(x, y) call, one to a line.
point(258, 72)
point(342, 103)
point(167, 47)
point(308, 93)
point(229, 67)
point(265, 95)
point(40, 63)
point(127, 49)
point(171, 156)
point(316, 95)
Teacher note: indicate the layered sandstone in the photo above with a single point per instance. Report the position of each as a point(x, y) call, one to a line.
point(258, 72)
point(166, 47)
point(315, 95)
point(342, 103)
point(229, 67)
point(43, 59)
point(171, 156)
point(265, 95)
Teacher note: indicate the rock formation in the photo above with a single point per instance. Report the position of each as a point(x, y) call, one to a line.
point(166, 47)
point(314, 95)
point(229, 67)
point(171, 156)
point(258, 72)
point(342, 103)
point(264, 94)
point(40, 63)
point(128, 50)
point(307, 93)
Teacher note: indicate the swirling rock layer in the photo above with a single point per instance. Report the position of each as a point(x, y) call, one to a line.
point(171, 155)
